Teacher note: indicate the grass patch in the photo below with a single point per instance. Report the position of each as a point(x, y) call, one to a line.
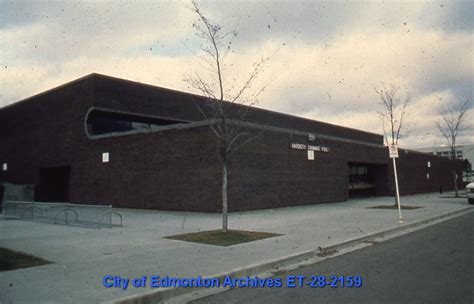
point(219, 238)
point(10, 260)
point(395, 207)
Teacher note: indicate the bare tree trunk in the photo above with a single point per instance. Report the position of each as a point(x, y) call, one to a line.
point(224, 198)
point(455, 183)
point(217, 45)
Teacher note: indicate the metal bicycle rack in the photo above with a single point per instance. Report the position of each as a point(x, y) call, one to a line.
point(96, 216)
point(32, 208)
point(110, 213)
point(65, 210)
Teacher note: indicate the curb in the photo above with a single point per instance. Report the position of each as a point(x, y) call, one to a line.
point(357, 240)
point(249, 270)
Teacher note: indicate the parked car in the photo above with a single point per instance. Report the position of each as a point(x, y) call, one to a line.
point(470, 193)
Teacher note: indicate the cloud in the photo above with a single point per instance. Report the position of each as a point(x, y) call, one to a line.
point(333, 55)
point(67, 30)
point(351, 66)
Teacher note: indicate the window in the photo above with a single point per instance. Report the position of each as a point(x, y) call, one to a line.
point(104, 122)
point(358, 174)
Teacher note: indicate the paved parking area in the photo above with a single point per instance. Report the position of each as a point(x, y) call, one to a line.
point(82, 256)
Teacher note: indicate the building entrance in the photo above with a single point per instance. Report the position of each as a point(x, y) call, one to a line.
point(367, 180)
point(54, 184)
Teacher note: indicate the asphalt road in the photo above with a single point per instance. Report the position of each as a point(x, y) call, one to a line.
point(432, 265)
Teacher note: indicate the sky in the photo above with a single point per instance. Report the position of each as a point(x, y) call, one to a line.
point(326, 58)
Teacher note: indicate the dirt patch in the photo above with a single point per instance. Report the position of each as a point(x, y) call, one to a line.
point(395, 207)
point(219, 238)
point(10, 260)
point(326, 253)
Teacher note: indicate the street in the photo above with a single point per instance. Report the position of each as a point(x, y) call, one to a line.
point(432, 265)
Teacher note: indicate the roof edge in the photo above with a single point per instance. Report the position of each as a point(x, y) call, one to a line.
point(257, 108)
point(51, 90)
point(94, 74)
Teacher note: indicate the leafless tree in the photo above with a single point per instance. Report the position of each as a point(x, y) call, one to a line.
point(451, 125)
point(394, 113)
point(223, 105)
point(393, 116)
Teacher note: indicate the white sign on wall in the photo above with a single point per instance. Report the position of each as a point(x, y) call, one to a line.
point(5, 167)
point(310, 155)
point(105, 157)
point(393, 151)
point(298, 146)
point(318, 148)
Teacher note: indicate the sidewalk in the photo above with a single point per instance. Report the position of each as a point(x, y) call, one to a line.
point(82, 256)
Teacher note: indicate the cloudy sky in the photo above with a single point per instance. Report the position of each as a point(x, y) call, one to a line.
point(326, 56)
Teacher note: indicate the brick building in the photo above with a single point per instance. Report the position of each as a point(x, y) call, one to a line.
point(100, 139)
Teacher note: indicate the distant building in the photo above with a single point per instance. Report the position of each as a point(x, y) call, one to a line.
point(462, 152)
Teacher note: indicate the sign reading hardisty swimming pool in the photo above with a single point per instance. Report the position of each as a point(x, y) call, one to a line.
point(297, 146)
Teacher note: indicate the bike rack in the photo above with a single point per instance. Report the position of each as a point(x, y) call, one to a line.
point(66, 213)
point(110, 213)
point(32, 208)
point(95, 216)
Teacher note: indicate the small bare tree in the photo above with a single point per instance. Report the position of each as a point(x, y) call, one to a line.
point(451, 124)
point(223, 105)
point(394, 113)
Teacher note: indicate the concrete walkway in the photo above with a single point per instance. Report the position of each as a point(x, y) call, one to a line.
point(82, 256)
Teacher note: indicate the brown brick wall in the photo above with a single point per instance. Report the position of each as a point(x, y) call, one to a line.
point(412, 168)
point(179, 169)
